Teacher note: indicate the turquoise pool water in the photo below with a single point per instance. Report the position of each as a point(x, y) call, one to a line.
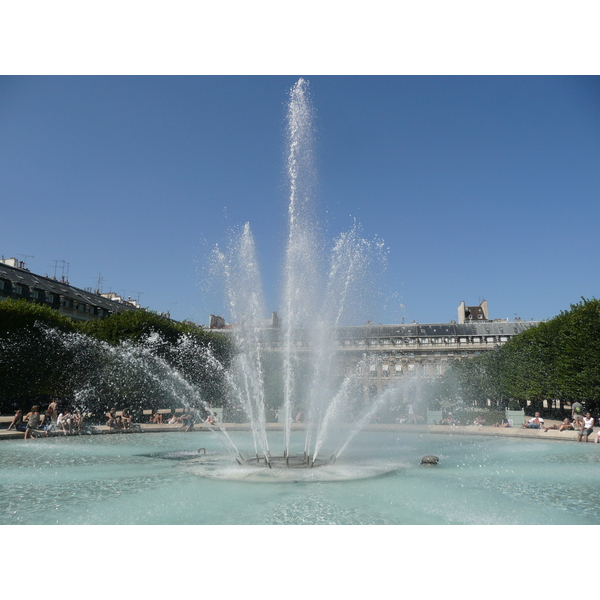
point(135, 479)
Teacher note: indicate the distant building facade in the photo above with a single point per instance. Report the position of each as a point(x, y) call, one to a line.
point(82, 305)
point(427, 350)
point(385, 354)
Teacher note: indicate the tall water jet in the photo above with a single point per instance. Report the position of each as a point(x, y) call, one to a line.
point(243, 292)
point(319, 289)
point(300, 282)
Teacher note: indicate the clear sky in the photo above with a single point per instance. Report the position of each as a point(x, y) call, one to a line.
point(482, 187)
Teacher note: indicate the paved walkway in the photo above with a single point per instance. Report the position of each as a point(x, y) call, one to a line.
point(518, 432)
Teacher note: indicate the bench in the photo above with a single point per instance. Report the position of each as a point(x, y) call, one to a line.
point(434, 417)
point(515, 417)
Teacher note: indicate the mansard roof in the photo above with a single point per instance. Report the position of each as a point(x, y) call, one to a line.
point(51, 285)
point(438, 329)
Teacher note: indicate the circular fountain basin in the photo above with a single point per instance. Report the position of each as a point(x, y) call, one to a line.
point(260, 473)
point(163, 479)
point(296, 461)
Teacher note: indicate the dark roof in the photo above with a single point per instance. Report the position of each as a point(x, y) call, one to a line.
point(474, 312)
point(54, 286)
point(438, 329)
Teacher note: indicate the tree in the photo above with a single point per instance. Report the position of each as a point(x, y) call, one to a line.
point(20, 315)
point(556, 360)
point(132, 357)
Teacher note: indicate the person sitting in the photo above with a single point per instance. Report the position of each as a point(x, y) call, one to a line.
point(48, 424)
point(449, 420)
point(577, 414)
point(77, 422)
point(564, 426)
point(114, 422)
point(175, 420)
point(411, 415)
point(479, 420)
point(32, 420)
point(52, 412)
point(17, 423)
point(504, 423)
point(126, 418)
point(188, 422)
point(536, 423)
point(64, 422)
point(156, 418)
point(588, 427)
point(414, 417)
point(211, 419)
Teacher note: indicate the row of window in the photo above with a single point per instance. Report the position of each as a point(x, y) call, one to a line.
point(412, 341)
point(391, 370)
point(424, 340)
point(53, 299)
point(24, 291)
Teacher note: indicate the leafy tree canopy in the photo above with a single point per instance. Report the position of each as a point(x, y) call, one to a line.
point(19, 315)
point(556, 360)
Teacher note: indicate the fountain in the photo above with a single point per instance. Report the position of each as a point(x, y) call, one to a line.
point(331, 469)
point(318, 292)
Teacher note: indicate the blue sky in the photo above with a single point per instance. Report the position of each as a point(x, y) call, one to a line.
point(482, 187)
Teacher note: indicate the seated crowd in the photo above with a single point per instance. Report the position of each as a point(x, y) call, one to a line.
point(183, 420)
point(71, 421)
point(33, 424)
point(122, 421)
point(582, 424)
